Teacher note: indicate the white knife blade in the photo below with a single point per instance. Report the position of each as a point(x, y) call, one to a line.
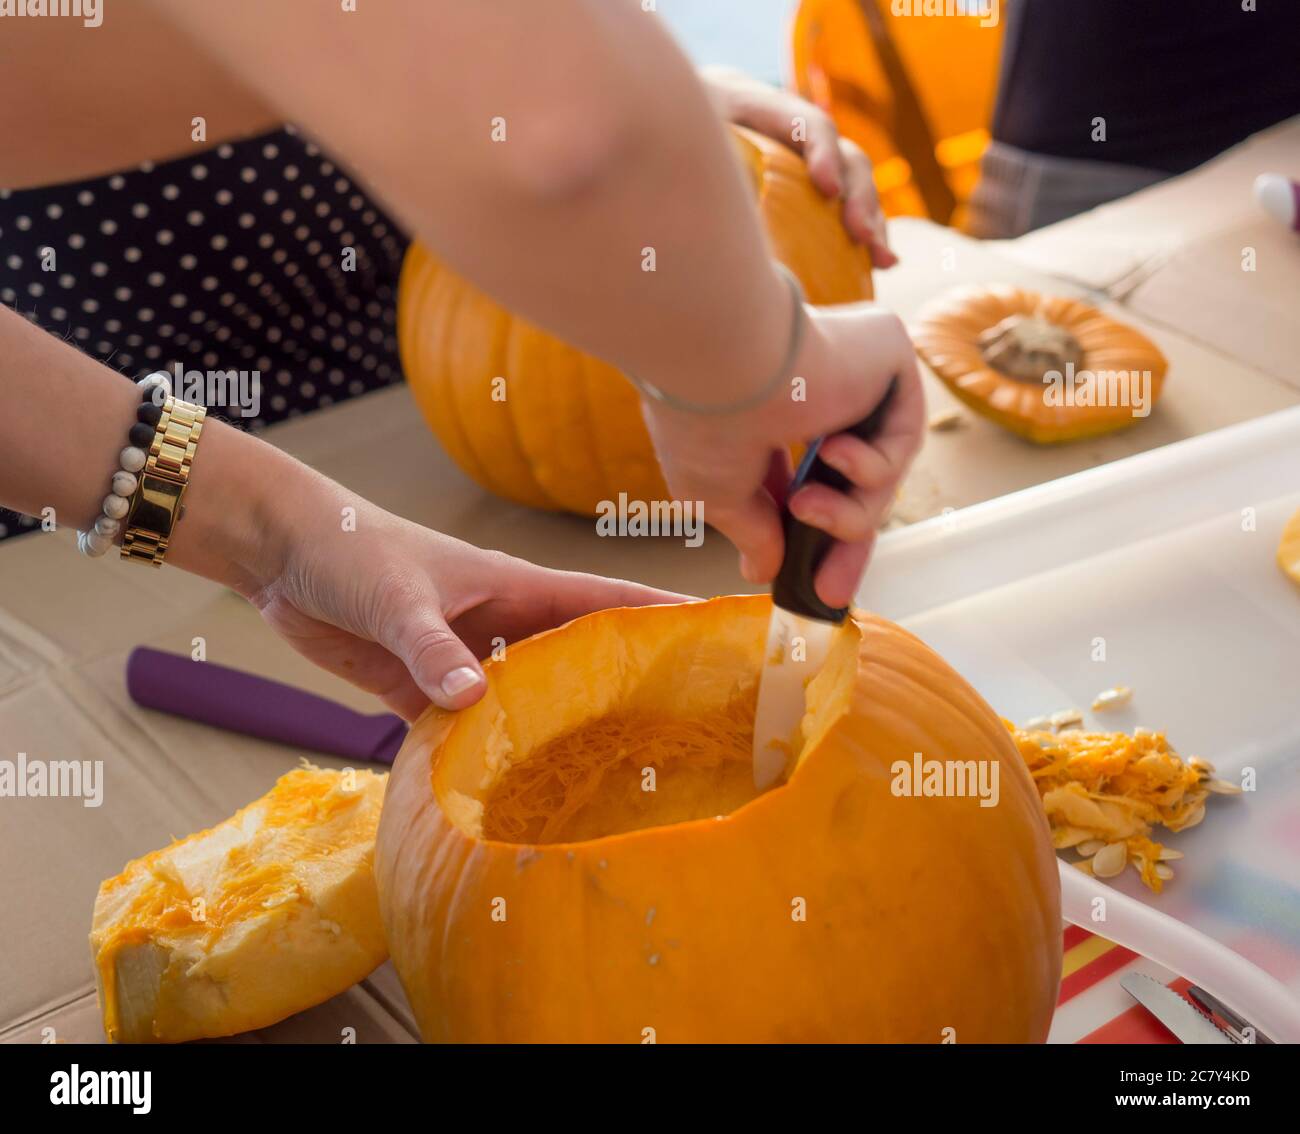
point(801, 627)
point(1185, 1021)
point(795, 652)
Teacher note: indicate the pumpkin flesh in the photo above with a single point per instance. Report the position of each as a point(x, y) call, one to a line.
point(675, 914)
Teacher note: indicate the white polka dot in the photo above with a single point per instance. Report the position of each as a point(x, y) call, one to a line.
point(219, 242)
point(265, 240)
point(108, 227)
point(356, 387)
point(177, 300)
point(291, 173)
point(112, 326)
point(270, 196)
point(313, 247)
point(196, 317)
point(145, 314)
point(356, 201)
point(35, 289)
point(239, 263)
point(14, 262)
point(194, 217)
point(248, 174)
point(125, 359)
point(116, 181)
point(278, 402)
point(139, 210)
point(270, 150)
point(316, 365)
point(225, 150)
point(82, 333)
point(342, 185)
point(165, 236)
point(23, 223)
point(99, 269)
point(76, 240)
point(327, 167)
point(152, 351)
point(170, 192)
point(131, 255)
point(224, 196)
point(132, 340)
point(146, 167)
point(199, 172)
point(54, 211)
point(322, 209)
point(255, 278)
point(336, 225)
point(155, 279)
point(246, 220)
point(301, 232)
point(56, 313)
point(189, 261)
point(288, 216)
point(104, 347)
point(209, 283)
point(85, 197)
point(307, 192)
point(279, 256)
point(90, 306)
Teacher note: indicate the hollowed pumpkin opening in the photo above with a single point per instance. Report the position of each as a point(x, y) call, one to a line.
point(627, 735)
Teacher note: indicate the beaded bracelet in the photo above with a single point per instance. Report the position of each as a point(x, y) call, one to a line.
point(132, 458)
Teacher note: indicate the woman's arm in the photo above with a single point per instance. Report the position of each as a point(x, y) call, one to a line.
point(609, 148)
point(395, 608)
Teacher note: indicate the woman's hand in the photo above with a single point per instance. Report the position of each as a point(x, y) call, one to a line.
point(405, 612)
point(837, 166)
point(739, 464)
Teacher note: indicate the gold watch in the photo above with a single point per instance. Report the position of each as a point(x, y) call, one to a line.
point(156, 504)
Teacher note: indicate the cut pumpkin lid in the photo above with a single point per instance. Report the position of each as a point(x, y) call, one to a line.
point(1047, 368)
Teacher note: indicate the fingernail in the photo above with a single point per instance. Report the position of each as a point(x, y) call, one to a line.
point(460, 679)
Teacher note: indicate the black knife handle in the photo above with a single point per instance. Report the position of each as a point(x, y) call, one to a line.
point(805, 546)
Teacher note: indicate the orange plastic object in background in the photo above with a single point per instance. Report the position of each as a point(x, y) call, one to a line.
point(915, 91)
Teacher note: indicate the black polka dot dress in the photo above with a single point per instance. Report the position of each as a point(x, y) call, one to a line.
point(261, 256)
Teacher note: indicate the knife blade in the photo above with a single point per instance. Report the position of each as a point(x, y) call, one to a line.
point(1185, 1021)
point(801, 626)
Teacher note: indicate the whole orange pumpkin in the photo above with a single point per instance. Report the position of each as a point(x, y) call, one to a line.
point(541, 423)
point(581, 856)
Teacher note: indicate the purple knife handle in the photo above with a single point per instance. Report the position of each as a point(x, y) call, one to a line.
point(257, 706)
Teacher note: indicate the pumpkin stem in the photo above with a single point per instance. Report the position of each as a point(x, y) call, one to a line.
point(1026, 347)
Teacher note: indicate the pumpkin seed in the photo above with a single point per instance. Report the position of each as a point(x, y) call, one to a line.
point(1110, 860)
point(1163, 871)
point(1203, 766)
point(1063, 837)
point(1112, 698)
point(1168, 854)
point(1038, 724)
point(1222, 787)
point(946, 420)
point(1193, 816)
point(1091, 847)
point(1066, 719)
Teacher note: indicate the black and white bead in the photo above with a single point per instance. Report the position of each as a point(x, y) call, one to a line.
point(155, 389)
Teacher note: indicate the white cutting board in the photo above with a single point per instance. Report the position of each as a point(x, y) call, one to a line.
point(1154, 554)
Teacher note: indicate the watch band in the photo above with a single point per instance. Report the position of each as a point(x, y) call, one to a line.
point(156, 505)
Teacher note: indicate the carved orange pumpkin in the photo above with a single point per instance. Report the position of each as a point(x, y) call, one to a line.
point(568, 432)
point(993, 347)
point(581, 855)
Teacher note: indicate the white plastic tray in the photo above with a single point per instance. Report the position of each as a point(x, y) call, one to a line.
point(1155, 555)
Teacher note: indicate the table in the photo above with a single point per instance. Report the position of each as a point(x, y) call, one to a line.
point(67, 625)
